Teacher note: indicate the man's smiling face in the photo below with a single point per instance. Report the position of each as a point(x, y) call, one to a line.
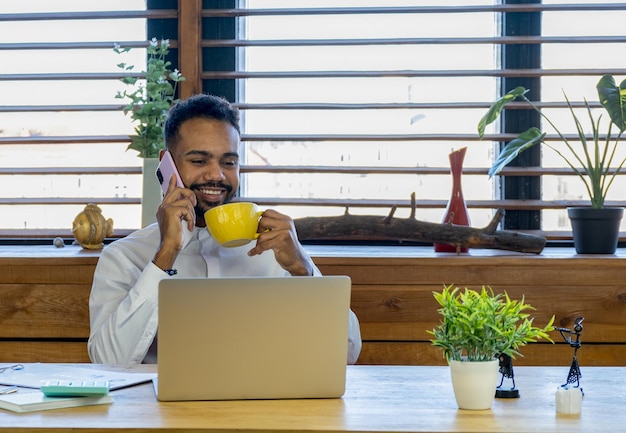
point(207, 159)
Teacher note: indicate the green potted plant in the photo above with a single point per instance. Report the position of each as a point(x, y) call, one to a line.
point(591, 159)
point(476, 327)
point(148, 99)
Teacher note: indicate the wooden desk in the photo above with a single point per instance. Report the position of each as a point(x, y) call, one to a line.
point(378, 399)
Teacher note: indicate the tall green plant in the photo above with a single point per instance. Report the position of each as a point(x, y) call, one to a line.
point(149, 101)
point(478, 325)
point(593, 159)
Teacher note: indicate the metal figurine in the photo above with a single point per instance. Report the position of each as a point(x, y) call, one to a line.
point(90, 227)
point(574, 374)
point(506, 369)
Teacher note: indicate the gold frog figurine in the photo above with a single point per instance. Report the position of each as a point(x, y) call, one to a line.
point(90, 228)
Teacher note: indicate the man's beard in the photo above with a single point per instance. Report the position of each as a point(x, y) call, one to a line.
point(202, 206)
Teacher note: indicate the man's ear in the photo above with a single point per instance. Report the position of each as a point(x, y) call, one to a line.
point(161, 153)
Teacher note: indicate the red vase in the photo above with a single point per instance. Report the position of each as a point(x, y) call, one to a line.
point(456, 211)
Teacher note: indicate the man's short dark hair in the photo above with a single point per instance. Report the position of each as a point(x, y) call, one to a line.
point(198, 106)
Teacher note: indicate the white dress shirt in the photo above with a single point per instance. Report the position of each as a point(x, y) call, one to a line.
point(123, 303)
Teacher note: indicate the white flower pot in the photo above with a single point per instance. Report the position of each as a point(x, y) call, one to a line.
point(151, 192)
point(474, 383)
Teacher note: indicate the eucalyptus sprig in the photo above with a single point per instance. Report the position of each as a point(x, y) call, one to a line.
point(478, 325)
point(152, 95)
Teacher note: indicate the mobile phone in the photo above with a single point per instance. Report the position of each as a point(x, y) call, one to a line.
point(165, 170)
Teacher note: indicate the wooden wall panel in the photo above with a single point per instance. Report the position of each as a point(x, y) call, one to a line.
point(44, 303)
point(43, 273)
point(392, 296)
point(43, 351)
point(407, 312)
point(560, 354)
point(44, 296)
point(44, 310)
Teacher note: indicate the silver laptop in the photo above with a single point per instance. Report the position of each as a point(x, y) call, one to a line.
point(252, 338)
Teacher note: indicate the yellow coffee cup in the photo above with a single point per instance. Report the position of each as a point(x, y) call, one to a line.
point(233, 224)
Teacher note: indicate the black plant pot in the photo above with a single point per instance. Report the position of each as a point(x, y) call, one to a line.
point(595, 231)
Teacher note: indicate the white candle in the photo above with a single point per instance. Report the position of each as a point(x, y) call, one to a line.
point(568, 400)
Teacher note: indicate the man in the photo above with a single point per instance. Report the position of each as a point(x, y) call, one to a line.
point(202, 134)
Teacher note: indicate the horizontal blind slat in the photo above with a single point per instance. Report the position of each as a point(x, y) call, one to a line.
point(230, 43)
point(507, 204)
point(65, 139)
point(226, 75)
point(404, 137)
point(497, 40)
point(314, 106)
point(231, 75)
point(406, 105)
point(57, 108)
point(286, 138)
point(90, 15)
point(311, 169)
point(108, 45)
point(69, 76)
point(458, 9)
point(68, 170)
point(59, 201)
point(328, 202)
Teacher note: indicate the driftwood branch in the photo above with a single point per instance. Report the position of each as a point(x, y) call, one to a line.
point(370, 227)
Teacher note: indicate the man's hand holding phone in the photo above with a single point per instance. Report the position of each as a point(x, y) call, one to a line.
point(176, 214)
point(165, 170)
